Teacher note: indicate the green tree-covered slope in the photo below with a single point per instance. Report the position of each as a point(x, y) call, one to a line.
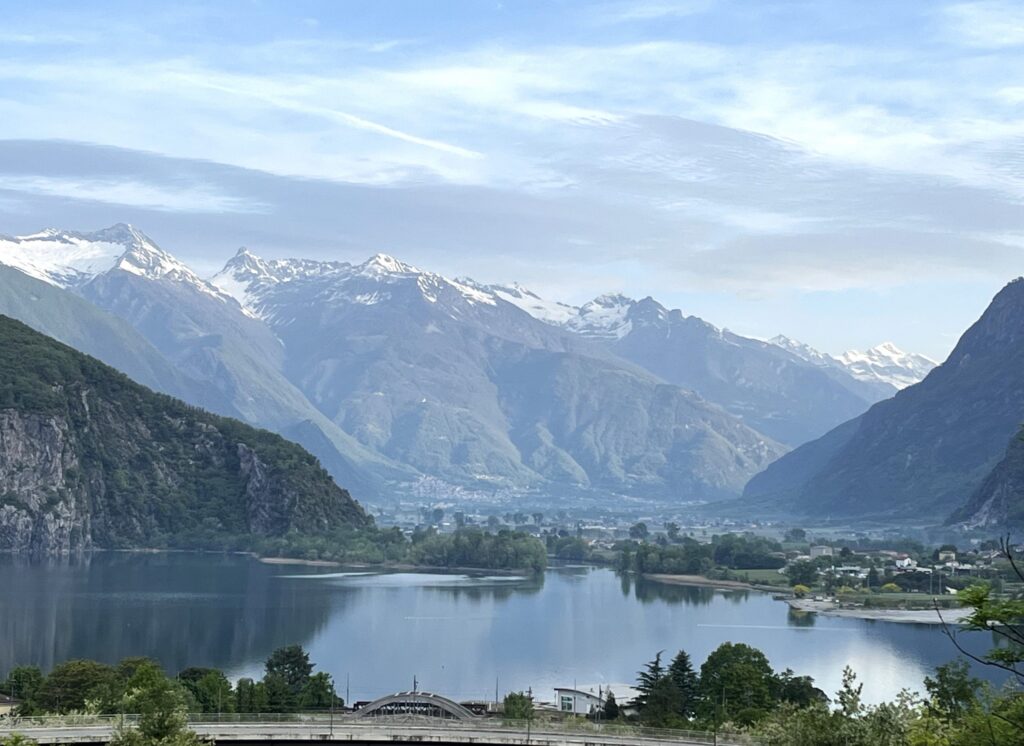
point(90, 458)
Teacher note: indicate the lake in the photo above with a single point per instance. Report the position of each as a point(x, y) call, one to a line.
point(458, 635)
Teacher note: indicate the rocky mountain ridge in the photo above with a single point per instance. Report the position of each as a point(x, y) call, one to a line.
point(391, 374)
point(928, 449)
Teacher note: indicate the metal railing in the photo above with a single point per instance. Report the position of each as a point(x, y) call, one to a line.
point(529, 731)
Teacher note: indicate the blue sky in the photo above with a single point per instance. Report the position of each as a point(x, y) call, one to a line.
point(844, 173)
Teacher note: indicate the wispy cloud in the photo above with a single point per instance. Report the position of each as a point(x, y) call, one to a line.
point(990, 24)
point(764, 148)
point(131, 193)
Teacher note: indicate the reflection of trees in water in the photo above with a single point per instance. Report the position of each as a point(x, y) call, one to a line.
point(182, 609)
point(798, 618)
point(498, 590)
point(647, 591)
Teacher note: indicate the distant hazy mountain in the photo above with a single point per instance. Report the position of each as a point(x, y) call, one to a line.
point(394, 376)
point(779, 393)
point(461, 384)
point(90, 458)
point(74, 321)
point(231, 360)
point(885, 368)
point(924, 452)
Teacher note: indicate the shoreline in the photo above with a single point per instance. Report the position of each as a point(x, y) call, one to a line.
point(401, 567)
point(899, 616)
point(827, 608)
point(725, 585)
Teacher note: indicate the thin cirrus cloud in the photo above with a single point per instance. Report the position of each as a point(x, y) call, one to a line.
point(694, 150)
point(129, 192)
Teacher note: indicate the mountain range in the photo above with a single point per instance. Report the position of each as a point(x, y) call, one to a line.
point(405, 382)
point(946, 446)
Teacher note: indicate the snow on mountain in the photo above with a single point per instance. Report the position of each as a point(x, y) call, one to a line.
point(551, 312)
point(252, 280)
point(803, 351)
point(66, 258)
point(888, 363)
point(885, 363)
point(70, 259)
point(605, 317)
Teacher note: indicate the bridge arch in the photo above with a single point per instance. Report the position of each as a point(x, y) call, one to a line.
point(423, 704)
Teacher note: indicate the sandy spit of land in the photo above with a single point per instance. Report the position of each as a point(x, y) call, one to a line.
point(906, 616)
point(701, 580)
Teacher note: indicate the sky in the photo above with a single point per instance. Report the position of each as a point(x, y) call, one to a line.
point(844, 173)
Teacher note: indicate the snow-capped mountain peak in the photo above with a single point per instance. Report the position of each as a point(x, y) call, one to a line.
point(889, 363)
point(67, 258)
point(380, 264)
point(803, 351)
point(550, 312)
point(885, 363)
point(605, 317)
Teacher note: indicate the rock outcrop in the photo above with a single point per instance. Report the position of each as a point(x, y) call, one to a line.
point(90, 459)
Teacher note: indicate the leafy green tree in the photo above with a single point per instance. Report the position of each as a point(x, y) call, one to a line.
point(672, 531)
point(849, 696)
point(680, 670)
point(69, 685)
point(735, 678)
point(796, 535)
point(292, 665)
point(638, 531)
point(161, 706)
point(800, 590)
point(250, 696)
point(517, 706)
point(803, 573)
point(213, 693)
point(953, 691)
point(319, 694)
point(22, 683)
point(797, 690)
point(280, 697)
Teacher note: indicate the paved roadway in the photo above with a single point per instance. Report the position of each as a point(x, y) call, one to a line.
point(294, 732)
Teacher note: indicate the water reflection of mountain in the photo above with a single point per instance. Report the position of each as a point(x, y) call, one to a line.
point(178, 608)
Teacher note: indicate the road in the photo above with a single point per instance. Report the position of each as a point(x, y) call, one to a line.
point(370, 733)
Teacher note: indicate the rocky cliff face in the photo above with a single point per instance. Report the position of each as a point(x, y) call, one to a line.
point(999, 502)
point(88, 458)
point(35, 460)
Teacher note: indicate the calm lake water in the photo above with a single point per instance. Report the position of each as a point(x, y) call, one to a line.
point(457, 634)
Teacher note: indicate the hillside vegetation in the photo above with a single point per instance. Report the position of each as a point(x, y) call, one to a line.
point(90, 458)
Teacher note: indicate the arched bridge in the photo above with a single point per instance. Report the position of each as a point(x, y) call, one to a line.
point(422, 704)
